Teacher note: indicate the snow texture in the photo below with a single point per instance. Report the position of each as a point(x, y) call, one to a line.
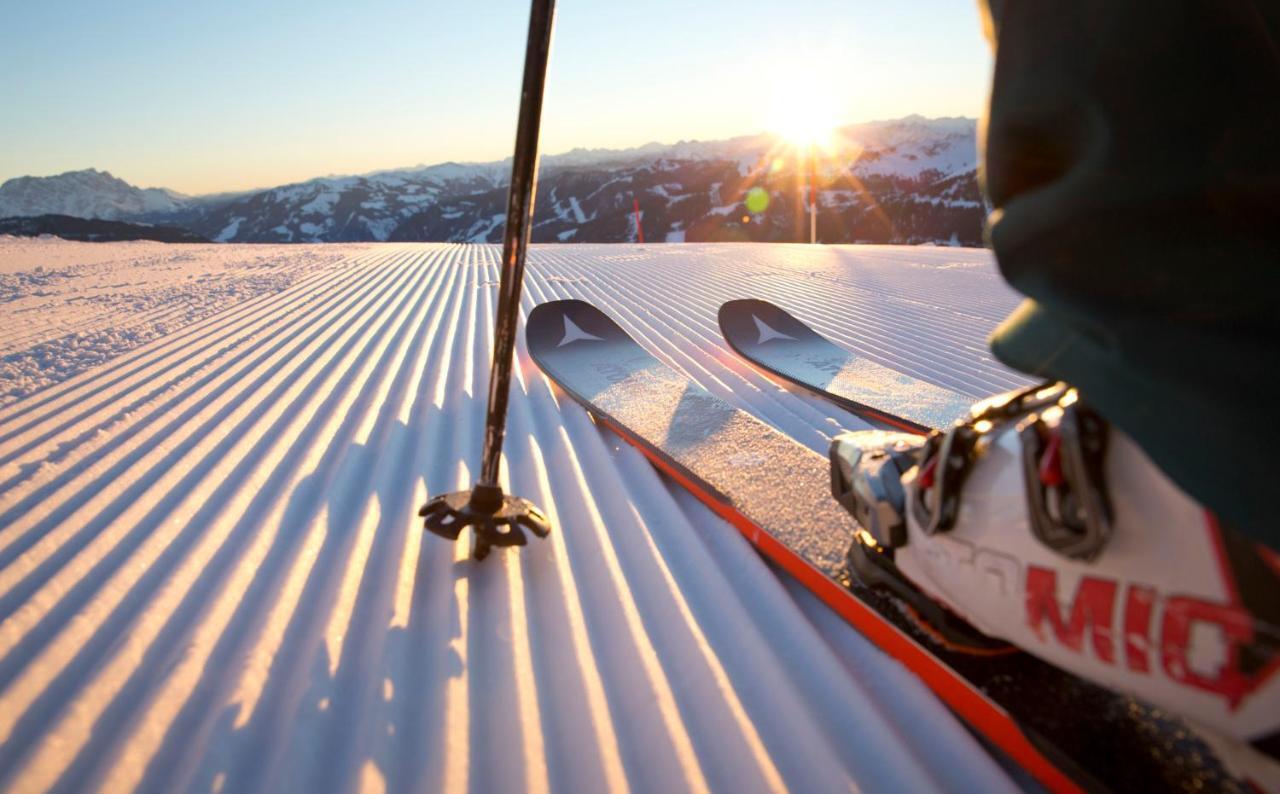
point(212, 578)
point(70, 306)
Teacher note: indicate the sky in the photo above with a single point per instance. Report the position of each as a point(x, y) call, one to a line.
point(204, 97)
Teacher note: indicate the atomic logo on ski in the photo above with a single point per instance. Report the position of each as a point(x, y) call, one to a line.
point(767, 333)
point(815, 363)
point(572, 333)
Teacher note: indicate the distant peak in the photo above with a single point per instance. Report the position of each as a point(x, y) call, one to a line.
point(88, 172)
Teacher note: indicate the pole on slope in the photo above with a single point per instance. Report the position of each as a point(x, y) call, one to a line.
point(499, 519)
point(813, 196)
point(813, 215)
point(635, 210)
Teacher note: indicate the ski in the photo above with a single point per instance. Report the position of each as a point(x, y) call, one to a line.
point(1067, 733)
point(775, 341)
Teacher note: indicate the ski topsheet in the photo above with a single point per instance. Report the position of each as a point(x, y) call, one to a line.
point(773, 340)
point(1065, 732)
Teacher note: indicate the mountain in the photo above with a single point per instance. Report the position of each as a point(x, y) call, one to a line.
point(910, 180)
point(84, 194)
point(336, 209)
point(94, 230)
point(907, 181)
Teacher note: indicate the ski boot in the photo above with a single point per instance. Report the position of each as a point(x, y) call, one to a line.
point(1036, 523)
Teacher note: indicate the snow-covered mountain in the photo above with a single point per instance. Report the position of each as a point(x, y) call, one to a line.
point(908, 180)
point(84, 194)
point(337, 209)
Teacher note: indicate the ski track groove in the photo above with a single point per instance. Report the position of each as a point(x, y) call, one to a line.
point(101, 490)
point(148, 367)
point(132, 440)
point(302, 288)
point(212, 577)
point(60, 652)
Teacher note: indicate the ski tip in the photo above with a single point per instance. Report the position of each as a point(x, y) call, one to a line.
point(749, 323)
point(736, 317)
point(741, 307)
point(565, 325)
point(550, 317)
point(558, 308)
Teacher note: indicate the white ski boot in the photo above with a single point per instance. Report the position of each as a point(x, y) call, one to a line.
point(1040, 525)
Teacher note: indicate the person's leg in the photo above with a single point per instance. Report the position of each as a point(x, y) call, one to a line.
point(1132, 162)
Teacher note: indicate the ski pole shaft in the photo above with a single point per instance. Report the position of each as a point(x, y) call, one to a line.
point(524, 175)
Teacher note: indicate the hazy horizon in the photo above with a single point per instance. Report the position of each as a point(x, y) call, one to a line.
point(411, 166)
point(222, 99)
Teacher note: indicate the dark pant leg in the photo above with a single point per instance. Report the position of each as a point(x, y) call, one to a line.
point(1132, 161)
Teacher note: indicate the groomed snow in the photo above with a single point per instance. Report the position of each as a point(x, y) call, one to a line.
point(69, 306)
point(212, 578)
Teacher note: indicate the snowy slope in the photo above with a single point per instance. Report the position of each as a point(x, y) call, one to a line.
point(211, 577)
point(70, 306)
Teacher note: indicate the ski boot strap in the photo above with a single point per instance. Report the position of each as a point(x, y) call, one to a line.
point(1062, 467)
point(1063, 447)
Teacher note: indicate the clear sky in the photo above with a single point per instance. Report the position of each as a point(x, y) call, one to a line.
point(203, 97)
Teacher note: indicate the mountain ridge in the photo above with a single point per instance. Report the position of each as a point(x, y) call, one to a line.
point(85, 193)
point(902, 180)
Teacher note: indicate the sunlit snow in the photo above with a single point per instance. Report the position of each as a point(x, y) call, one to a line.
point(212, 576)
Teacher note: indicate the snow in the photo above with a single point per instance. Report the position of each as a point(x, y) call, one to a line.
point(322, 204)
point(578, 214)
point(231, 230)
point(70, 306)
point(380, 228)
point(212, 578)
point(479, 231)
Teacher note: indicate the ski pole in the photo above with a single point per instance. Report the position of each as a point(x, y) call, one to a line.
point(497, 518)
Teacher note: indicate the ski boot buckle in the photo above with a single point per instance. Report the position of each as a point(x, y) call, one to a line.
point(1063, 470)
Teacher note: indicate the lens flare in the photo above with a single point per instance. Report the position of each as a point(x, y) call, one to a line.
point(757, 200)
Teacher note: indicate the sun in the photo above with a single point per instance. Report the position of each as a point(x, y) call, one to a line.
point(806, 129)
point(803, 119)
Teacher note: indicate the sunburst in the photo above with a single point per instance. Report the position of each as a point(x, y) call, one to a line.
point(804, 120)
